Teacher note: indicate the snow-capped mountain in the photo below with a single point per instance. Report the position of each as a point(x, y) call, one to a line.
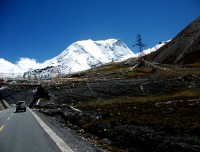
point(83, 55)
point(155, 48)
point(79, 56)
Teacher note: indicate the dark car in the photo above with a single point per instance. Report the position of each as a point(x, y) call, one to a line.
point(20, 105)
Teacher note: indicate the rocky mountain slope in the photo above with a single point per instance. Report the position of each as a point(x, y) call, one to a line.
point(182, 49)
point(130, 108)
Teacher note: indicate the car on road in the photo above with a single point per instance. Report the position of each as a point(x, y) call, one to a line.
point(20, 105)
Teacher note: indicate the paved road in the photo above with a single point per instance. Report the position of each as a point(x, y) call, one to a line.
point(20, 132)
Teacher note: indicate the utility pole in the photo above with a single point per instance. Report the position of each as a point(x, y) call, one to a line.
point(140, 46)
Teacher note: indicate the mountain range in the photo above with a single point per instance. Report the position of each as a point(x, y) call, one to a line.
point(86, 54)
point(83, 55)
point(79, 56)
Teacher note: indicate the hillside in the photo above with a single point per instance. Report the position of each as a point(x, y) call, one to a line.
point(131, 107)
point(182, 49)
point(126, 106)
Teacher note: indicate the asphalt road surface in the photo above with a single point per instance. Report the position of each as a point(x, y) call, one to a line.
point(20, 132)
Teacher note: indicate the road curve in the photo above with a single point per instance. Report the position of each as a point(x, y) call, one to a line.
point(20, 132)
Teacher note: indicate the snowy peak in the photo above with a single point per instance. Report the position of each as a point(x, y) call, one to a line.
point(104, 51)
point(83, 55)
point(156, 47)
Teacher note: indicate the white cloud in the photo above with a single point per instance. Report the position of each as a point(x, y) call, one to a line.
point(8, 67)
point(21, 66)
point(26, 64)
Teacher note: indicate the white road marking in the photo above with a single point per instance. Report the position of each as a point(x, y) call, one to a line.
point(59, 142)
point(1, 128)
point(8, 118)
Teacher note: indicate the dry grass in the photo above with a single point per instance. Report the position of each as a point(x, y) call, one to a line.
point(154, 111)
point(194, 65)
point(183, 94)
point(144, 70)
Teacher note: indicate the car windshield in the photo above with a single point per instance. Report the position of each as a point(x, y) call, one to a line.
point(19, 103)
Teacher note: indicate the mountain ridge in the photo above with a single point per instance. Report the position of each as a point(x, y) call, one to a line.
point(184, 48)
point(78, 56)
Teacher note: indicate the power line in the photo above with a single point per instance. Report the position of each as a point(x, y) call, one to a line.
point(140, 45)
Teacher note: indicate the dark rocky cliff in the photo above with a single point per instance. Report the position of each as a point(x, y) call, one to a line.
point(182, 49)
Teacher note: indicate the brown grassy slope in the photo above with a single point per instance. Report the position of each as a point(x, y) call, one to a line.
point(143, 109)
point(163, 117)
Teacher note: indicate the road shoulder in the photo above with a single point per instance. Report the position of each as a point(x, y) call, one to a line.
point(70, 137)
point(59, 142)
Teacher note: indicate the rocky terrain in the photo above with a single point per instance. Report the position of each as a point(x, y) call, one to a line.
point(151, 107)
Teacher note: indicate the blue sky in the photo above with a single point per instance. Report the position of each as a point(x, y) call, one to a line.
point(42, 29)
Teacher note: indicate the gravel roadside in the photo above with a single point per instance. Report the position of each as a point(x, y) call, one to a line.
point(70, 137)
